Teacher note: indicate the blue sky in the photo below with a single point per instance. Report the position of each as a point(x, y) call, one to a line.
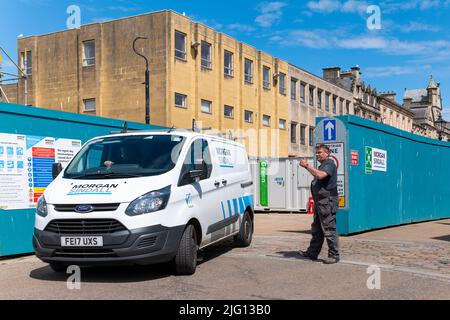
point(412, 44)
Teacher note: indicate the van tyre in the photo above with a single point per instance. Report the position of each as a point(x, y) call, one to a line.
point(58, 267)
point(186, 258)
point(245, 235)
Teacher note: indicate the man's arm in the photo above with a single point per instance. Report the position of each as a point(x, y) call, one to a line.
point(319, 174)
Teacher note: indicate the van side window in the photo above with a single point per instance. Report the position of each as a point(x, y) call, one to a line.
point(197, 158)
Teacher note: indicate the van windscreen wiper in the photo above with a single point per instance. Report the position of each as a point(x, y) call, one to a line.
point(106, 175)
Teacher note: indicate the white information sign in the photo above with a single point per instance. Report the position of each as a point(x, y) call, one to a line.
point(26, 167)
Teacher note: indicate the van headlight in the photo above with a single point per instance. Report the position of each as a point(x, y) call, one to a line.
point(150, 202)
point(41, 207)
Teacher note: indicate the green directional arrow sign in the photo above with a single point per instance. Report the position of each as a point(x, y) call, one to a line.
point(368, 160)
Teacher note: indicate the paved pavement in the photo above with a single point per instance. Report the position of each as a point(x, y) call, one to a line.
point(414, 261)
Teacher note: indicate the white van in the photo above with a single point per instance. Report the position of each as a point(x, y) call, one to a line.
point(143, 198)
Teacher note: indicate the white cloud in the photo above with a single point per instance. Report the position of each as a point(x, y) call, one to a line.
point(123, 8)
point(270, 13)
point(326, 6)
point(391, 71)
point(329, 6)
point(433, 50)
point(415, 26)
point(355, 6)
point(389, 6)
point(240, 27)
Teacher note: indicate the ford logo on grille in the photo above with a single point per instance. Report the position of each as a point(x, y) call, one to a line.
point(84, 208)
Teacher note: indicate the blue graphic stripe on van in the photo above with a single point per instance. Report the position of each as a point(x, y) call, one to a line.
point(226, 166)
point(223, 211)
point(235, 205)
point(241, 205)
point(230, 213)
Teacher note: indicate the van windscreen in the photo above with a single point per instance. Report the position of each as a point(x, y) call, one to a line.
point(126, 157)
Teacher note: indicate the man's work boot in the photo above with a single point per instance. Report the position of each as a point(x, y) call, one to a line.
point(306, 254)
point(331, 260)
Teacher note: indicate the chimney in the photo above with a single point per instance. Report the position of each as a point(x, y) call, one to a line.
point(356, 72)
point(331, 74)
point(390, 95)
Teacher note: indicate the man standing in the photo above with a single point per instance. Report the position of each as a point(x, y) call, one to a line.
point(325, 195)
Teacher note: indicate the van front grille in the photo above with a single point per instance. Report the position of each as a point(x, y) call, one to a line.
point(85, 226)
point(96, 207)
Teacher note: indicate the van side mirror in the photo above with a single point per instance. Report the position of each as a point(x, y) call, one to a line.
point(56, 169)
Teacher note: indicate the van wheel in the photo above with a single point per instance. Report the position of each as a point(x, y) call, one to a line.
point(186, 258)
point(58, 266)
point(244, 237)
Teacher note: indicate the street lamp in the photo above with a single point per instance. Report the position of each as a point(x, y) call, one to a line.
point(440, 126)
point(147, 82)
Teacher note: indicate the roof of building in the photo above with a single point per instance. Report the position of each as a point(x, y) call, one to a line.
point(417, 95)
point(420, 113)
point(431, 84)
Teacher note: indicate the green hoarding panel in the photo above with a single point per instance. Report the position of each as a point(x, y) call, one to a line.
point(263, 194)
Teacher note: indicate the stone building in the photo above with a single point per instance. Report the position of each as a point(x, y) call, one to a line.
point(311, 97)
point(426, 106)
point(368, 103)
point(394, 114)
point(195, 73)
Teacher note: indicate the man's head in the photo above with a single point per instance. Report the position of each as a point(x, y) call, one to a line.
point(322, 152)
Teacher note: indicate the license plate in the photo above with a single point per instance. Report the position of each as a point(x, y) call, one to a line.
point(81, 241)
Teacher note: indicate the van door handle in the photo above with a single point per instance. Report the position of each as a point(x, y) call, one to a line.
point(224, 182)
point(217, 184)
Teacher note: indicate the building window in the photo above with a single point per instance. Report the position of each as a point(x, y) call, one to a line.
point(266, 120)
point(248, 116)
point(327, 102)
point(311, 136)
point(88, 53)
point(228, 63)
point(206, 106)
point(347, 107)
point(293, 132)
point(206, 55)
point(319, 99)
point(228, 111)
point(311, 96)
point(266, 77)
point(26, 62)
point(334, 104)
point(303, 134)
point(180, 45)
point(89, 105)
point(341, 106)
point(180, 100)
point(248, 71)
point(282, 84)
point(302, 92)
point(282, 124)
point(294, 89)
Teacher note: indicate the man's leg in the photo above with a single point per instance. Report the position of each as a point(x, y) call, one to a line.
point(329, 228)
point(317, 239)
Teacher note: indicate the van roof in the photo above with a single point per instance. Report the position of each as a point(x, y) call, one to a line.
point(183, 133)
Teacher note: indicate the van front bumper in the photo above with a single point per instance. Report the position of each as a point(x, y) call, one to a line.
point(149, 245)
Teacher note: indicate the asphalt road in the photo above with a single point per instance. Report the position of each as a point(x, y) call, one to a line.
point(269, 269)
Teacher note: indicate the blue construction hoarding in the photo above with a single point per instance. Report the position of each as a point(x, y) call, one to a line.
point(31, 140)
point(387, 177)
